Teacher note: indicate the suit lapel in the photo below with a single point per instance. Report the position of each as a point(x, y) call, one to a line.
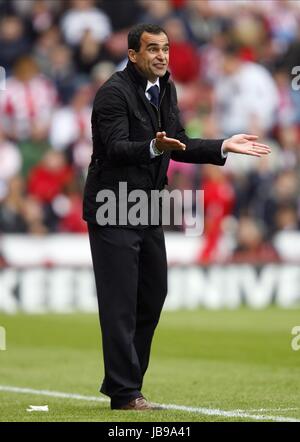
point(149, 108)
point(165, 113)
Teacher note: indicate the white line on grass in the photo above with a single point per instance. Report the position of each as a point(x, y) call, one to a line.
point(198, 410)
point(232, 413)
point(52, 394)
point(270, 409)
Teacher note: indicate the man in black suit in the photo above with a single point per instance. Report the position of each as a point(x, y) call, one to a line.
point(136, 131)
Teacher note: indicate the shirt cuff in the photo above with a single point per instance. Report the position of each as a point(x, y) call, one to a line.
point(223, 154)
point(153, 151)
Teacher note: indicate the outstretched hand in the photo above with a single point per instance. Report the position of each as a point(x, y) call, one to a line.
point(162, 142)
point(245, 144)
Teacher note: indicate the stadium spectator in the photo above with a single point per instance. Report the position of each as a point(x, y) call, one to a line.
point(72, 122)
point(251, 245)
point(114, 49)
point(69, 209)
point(28, 102)
point(219, 199)
point(286, 218)
point(43, 47)
point(34, 216)
point(61, 72)
point(289, 139)
point(11, 208)
point(184, 58)
point(14, 40)
point(42, 15)
point(155, 12)
point(284, 191)
point(10, 162)
point(248, 87)
point(83, 16)
point(201, 21)
point(48, 178)
point(87, 53)
point(101, 73)
point(286, 106)
point(283, 24)
point(71, 129)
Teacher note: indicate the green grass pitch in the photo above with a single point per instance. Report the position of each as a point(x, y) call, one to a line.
point(226, 360)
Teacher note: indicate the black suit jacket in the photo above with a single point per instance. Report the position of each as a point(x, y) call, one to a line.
point(123, 124)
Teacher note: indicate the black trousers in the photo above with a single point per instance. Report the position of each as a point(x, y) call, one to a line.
point(130, 269)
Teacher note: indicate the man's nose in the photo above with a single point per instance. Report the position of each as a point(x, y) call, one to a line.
point(161, 55)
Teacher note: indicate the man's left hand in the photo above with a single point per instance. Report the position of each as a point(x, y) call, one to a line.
point(245, 144)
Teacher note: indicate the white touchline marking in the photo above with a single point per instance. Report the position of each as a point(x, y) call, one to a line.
point(57, 394)
point(231, 413)
point(199, 410)
point(251, 410)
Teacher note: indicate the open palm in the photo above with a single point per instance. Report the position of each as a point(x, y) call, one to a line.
point(246, 144)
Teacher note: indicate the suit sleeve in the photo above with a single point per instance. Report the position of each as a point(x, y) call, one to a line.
point(198, 151)
point(112, 117)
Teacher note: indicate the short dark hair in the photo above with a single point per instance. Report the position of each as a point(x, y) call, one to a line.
point(232, 49)
point(134, 35)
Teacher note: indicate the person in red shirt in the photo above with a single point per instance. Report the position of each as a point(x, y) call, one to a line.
point(219, 199)
point(49, 177)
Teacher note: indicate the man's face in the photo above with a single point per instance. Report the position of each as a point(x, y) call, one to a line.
point(153, 57)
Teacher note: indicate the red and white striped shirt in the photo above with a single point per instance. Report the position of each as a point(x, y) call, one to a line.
point(24, 105)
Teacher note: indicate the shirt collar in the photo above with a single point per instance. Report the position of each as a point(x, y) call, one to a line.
point(149, 84)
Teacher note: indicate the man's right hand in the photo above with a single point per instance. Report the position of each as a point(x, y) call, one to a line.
point(163, 143)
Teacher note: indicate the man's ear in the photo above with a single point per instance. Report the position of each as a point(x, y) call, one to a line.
point(132, 55)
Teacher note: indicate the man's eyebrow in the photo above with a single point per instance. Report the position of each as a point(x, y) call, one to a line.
point(156, 44)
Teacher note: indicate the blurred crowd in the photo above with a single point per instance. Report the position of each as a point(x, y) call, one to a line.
point(235, 67)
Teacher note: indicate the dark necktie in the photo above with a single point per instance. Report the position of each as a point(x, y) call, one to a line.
point(154, 94)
